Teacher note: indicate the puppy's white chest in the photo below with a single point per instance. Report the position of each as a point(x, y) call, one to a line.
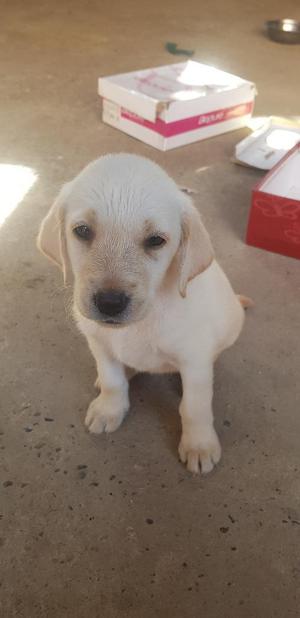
point(140, 353)
point(141, 346)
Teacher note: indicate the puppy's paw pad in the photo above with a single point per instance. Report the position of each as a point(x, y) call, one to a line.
point(200, 456)
point(99, 418)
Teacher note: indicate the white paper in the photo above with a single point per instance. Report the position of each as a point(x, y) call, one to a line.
point(265, 147)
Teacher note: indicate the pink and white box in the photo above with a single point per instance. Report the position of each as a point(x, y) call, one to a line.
point(178, 104)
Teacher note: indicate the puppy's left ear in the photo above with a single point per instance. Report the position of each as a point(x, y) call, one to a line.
point(52, 237)
point(195, 250)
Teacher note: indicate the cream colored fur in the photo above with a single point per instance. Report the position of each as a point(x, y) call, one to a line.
point(183, 312)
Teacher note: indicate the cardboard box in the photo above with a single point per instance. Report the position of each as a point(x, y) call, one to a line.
point(274, 221)
point(177, 104)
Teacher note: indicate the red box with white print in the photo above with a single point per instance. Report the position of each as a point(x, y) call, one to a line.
point(274, 220)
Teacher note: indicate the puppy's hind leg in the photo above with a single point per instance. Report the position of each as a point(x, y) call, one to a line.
point(245, 301)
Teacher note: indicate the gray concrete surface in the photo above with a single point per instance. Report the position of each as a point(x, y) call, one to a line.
point(112, 527)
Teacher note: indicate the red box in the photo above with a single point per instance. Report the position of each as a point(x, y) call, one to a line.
point(274, 220)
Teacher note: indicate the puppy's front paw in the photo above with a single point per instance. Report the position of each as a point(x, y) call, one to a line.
point(104, 415)
point(201, 453)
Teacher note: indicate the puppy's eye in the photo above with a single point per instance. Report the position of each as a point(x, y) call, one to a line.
point(83, 231)
point(154, 242)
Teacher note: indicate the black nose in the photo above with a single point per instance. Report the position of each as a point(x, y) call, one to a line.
point(111, 302)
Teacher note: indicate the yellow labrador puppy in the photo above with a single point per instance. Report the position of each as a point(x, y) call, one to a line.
point(148, 293)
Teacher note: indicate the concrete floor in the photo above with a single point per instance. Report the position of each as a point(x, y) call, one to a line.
point(114, 526)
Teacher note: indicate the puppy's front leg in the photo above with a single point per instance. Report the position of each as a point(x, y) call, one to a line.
point(199, 443)
point(106, 412)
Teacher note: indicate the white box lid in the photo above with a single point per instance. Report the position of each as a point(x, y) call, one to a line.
point(153, 92)
point(269, 143)
point(284, 179)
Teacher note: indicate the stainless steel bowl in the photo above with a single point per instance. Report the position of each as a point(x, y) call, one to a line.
point(283, 30)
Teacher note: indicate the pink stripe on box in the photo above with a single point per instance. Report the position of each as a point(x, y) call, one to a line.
point(169, 129)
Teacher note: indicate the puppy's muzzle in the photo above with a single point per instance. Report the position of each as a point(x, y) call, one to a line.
point(111, 304)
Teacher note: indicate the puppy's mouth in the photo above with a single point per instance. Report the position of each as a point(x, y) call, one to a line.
point(126, 318)
point(112, 323)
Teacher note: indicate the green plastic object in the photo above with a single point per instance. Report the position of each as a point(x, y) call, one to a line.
point(172, 48)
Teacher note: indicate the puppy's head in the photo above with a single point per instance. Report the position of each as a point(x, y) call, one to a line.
point(121, 229)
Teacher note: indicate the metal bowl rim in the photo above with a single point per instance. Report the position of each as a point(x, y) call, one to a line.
point(277, 25)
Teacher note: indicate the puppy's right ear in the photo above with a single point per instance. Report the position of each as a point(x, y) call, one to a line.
point(195, 251)
point(52, 238)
